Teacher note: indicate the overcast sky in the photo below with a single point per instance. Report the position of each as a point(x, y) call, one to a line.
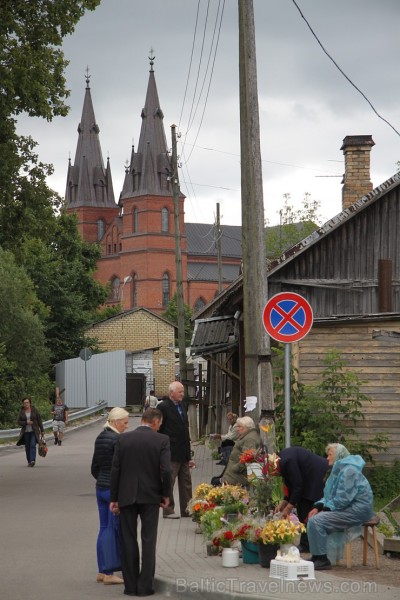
point(306, 105)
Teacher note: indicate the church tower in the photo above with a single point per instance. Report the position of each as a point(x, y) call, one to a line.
point(89, 192)
point(137, 237)
point(148, 232)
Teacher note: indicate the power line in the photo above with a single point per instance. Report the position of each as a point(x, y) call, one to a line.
point(341, 70)
point(190, 63)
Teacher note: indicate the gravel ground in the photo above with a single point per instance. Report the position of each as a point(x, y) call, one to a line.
point(387, 574)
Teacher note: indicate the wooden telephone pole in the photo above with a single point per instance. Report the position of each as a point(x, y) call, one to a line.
point(258, 369)
point(183, 370)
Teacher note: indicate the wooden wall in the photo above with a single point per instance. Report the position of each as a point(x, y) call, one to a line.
point(376, 362)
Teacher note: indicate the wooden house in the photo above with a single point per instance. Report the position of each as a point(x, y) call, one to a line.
point(349, 271)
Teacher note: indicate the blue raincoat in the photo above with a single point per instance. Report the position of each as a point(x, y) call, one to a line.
point(348, 496)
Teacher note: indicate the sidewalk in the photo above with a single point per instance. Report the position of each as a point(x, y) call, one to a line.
point(183, 566)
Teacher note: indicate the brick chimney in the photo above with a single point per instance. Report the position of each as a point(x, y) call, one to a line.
point(357, 177)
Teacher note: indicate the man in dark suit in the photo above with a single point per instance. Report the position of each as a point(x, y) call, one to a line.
point(140, 484)
point(303, 473)
point(175, 425)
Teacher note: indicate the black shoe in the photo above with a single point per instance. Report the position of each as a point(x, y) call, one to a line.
point(32, 463)
point(150, 593)
point(55, 441)
point(221, 462)
point(59, 442)
point(322, 563)
point(303, 549)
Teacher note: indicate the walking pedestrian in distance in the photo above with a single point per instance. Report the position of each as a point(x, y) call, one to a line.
point(117, 422)
point(31, 425)
point(60, 418)
point(175, 425)
point(140, 484)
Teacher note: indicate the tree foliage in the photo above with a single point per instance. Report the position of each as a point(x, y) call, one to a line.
point(327, 412)
point(46, 288)
point(295, 225)
point(62, 270)
point(171, 314)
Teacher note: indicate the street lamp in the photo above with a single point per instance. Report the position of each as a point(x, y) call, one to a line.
point(127, 279)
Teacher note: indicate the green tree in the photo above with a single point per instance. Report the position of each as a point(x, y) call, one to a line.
point(171, 314)
point(31, 81)
point(295, 225)
point(24, 357)
point(327, 412)
point(62, 269)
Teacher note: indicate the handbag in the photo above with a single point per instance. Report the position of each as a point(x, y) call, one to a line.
point(43, 449)
point(110, 545)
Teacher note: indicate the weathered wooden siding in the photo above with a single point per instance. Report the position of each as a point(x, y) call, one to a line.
point(339, 274)
point(376, 362)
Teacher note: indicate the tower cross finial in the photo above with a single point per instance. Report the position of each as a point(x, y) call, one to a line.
point(87, 76)
point(151, 59)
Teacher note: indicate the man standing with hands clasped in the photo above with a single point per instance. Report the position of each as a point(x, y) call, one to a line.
point(140, 484)
point(175, 425)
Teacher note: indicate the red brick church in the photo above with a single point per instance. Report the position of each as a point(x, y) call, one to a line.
point(137, 233)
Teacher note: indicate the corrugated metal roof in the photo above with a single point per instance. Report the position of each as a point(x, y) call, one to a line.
point(214, 335)
point(198, 271)
point(201, 238)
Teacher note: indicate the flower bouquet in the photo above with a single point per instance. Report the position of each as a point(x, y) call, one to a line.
point(233, 498)
point(281, 531)
point(197, 507)
point(202, 490)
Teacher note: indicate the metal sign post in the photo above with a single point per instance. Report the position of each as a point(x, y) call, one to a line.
point(287, 317)
point(86, 354)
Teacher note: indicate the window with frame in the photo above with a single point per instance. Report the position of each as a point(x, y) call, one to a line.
point(165, 290)
point(115, 289)
point(135, 223)
point(100, 229)
point(165, 220)
point(134, 290)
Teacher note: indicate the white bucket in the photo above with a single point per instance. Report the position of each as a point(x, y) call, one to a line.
point(230, 557)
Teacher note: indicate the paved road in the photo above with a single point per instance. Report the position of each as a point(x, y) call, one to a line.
point(49, 523)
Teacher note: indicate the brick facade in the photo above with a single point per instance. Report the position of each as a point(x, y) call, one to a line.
point(138, 330)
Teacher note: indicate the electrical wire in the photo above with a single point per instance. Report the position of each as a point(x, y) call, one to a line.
point(190, 63)
point(341, 71)
point(210, 80)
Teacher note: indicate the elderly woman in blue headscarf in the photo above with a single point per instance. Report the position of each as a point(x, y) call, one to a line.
point(346, 504)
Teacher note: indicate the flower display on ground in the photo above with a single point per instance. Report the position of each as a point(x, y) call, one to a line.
point(202, 490)
point(223, 538)
point(281, 531)
point(234, 498)
point(197, 507)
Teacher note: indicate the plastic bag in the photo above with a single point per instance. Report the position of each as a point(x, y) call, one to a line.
point(110, 545)
point(42, 450)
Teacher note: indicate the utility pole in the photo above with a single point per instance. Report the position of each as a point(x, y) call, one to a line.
point(178, 263)
point(179, 287)
point(258, 369)
point(219, 253)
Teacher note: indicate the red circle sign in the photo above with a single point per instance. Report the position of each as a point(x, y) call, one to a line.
point(287, 317)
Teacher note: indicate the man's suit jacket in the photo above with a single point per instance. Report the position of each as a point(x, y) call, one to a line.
point(141, 468)
point(177, 429)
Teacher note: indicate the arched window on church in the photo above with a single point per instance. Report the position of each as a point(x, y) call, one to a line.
point(165, 220)
point(100, 229)
point(135, 223)
point(200, 302)
point(134, 290)
point(115, 289)
point(165, 290)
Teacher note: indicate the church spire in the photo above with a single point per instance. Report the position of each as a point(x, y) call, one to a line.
point(89, 183)
point(150, 168)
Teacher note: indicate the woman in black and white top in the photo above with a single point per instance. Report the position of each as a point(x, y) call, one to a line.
point(31, 425)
